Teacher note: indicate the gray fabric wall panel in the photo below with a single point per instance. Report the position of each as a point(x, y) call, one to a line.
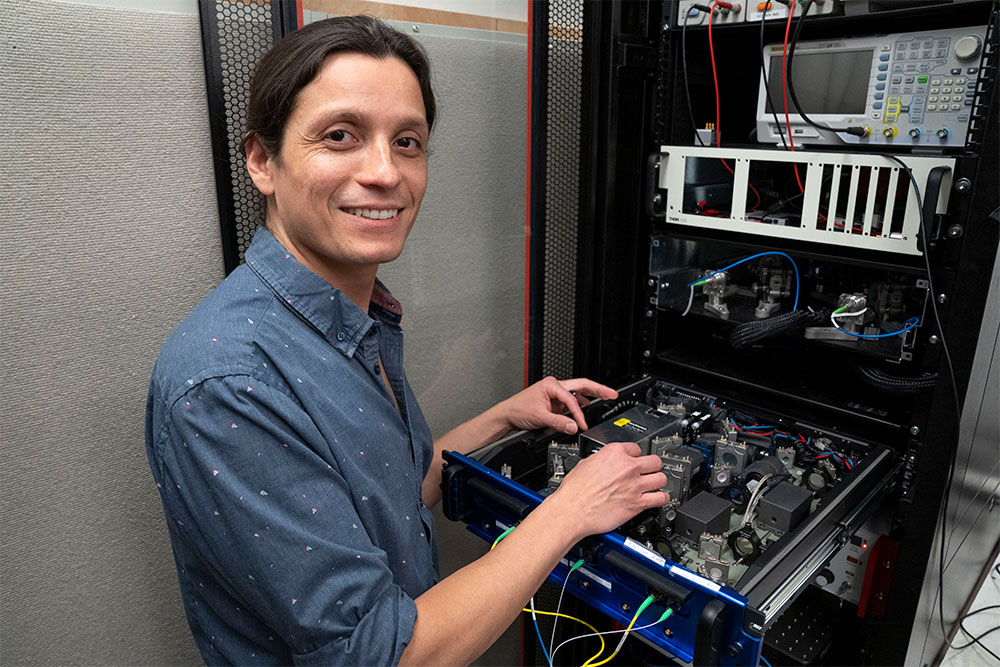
point(111, 237)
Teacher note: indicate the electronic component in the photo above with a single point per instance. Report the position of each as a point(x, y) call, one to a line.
point(819, 476)
point(732, 455)
point(716, 289)
point(911, 88)
point(710, 546)
point(639, 424)
point(680, 466)
point(784, 507)
point(768, 465)
point(715, 569)
point(696, 422)
point(786, 455)
point(745, 544)
point(705, 513)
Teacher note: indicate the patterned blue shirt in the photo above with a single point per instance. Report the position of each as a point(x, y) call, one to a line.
point(290, 482)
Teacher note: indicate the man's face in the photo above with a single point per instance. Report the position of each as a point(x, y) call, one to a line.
point(346, 186)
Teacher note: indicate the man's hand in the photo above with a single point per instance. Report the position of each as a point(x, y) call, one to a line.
point(541, 405)
point(611, 486)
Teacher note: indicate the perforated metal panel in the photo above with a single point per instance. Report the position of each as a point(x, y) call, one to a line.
point(562, 183)
point(236, 34)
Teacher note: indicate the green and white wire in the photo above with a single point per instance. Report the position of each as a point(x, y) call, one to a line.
point(608, 632)
point(837, 313)
point(562, 592)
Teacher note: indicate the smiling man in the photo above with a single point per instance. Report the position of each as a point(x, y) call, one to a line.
point(293, 461)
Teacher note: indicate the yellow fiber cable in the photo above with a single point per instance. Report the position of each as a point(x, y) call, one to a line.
point(573, 618)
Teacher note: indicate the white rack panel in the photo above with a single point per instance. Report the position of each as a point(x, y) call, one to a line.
point(866, 217)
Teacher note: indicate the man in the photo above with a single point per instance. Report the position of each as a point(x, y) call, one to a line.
point(293, 461)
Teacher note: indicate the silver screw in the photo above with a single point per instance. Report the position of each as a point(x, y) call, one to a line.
point(933, 340)
point(942, 298)
point(651, 282)
point(955, 231)
point(963, 185)
point(646, 353)
point(649, 313)
point(416, 28)
point(914, 430)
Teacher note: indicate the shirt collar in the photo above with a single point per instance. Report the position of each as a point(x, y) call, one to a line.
point(328, 309)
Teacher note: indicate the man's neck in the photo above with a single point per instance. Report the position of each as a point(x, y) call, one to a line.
point(357, 282)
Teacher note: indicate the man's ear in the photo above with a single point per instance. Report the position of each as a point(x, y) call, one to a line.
point(260, 165)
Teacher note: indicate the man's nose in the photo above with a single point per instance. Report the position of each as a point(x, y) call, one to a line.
point(379, 168)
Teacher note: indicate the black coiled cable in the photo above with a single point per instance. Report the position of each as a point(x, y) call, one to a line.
point(895, 384)
point(749, 333)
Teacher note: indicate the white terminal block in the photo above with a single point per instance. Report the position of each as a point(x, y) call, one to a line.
point(722, 16)
point(776, 10)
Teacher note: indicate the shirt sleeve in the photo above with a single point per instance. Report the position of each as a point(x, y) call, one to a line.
point(253, 488)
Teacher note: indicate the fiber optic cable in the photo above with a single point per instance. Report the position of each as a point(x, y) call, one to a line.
point(909, 324)
point(642, 607)
point(795, 266)
point(663, 617)
point(562, 591)
point(595, 633)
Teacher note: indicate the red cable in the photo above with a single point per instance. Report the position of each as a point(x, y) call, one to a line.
point(784, 92)
point(715, 80)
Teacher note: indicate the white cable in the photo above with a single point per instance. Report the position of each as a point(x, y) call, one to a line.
point(555, 619)
point(834, 316)
point(690, 301)
point(595, 634)
point(755, 497)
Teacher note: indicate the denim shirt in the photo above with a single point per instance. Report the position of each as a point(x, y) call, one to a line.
point(290, 482)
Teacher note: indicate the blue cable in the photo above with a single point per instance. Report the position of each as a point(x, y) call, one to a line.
point(765, 661)
point(541, 642)
point(795, 306)
point(909, 324)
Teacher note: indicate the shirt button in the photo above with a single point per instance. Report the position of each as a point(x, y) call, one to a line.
point(340, 335)
point(378, 369)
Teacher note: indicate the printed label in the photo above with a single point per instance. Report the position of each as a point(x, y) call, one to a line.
point(645, 551)
point(678, 571)
point(622, 422)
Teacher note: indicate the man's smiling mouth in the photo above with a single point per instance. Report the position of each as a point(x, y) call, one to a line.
point(373, 213)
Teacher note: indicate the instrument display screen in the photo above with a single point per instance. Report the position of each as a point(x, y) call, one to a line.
point(825, 83)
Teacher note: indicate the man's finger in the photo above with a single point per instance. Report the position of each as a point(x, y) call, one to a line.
point(650, 463)
point(630, 448)
point(589, 388)
point(561, 394)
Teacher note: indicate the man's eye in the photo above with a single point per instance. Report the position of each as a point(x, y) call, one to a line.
point(337, 135)
point(408, 142)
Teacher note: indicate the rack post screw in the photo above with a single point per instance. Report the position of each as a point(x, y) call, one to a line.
point(914, 430)
point(646, 353)
point(955, 231)
point(933, 340)
point(963, 185)
point(649, 313)
point(651, 282)
point(942, 298)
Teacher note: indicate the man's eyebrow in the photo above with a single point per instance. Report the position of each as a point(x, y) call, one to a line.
point(359, 118)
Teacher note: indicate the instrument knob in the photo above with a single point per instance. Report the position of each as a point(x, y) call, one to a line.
point(968, 47)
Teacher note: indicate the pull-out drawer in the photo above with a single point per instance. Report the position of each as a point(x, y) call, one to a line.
point(726, 575)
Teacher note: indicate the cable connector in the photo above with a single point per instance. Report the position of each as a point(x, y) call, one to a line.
point(856, 131)
point(700, 8)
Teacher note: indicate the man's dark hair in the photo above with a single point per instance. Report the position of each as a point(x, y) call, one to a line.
point(295, 60)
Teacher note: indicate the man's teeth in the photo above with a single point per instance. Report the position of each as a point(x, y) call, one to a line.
point(374, 213)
